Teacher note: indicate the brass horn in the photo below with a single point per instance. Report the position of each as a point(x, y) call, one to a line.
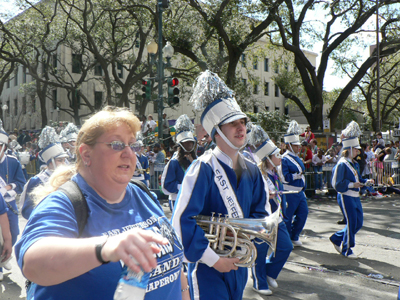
point(232, 237)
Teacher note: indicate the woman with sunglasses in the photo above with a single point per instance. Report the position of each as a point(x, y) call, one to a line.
point(174, 171)
point(267, 268)
point(123, 223)
point(53, 155)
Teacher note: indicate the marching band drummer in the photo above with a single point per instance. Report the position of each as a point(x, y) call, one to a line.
point(267, 268)
point(172, 176)
point(293, 173)
point(347, 181)
point(220, 181)
point(53, 155)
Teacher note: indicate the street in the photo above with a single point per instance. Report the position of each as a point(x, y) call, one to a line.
point(316, 270)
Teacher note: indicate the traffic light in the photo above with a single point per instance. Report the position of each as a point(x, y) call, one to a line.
point(146, 89)
point(173, 91)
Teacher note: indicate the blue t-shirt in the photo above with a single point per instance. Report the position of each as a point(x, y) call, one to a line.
point(55, 216)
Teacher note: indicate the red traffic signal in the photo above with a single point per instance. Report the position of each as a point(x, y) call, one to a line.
point(174, 81)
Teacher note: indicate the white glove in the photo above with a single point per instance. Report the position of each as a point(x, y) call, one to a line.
point(297, 176)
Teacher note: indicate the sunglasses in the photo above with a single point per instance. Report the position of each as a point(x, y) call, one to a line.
point(119, 146)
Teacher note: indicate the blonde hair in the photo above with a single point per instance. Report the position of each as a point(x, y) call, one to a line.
point(103, 121)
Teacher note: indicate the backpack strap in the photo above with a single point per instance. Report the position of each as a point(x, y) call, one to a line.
point(144, 188)
point(78, 200)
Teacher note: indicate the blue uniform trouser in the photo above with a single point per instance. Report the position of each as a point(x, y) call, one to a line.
point(339, 202)
point(272, 265)
point(317, 178)
point(25, 174)
point(296, 214)
point(207, 283)
point(13, 220)
point(353, 213)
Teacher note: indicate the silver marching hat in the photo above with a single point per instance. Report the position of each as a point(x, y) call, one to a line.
point(260, 139)
point(350, 136)
point(184, 128)
point(49, 142)
point(218, 101)
point(293, 132)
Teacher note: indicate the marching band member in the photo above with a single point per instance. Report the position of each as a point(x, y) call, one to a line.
point(70, 132)
point(12, 181)
point(267, 268)
point(172, 177)
point(293, 173)
point(5, 242)
point(142, 163)
point(53, 155)
point(347, 181)
point(220, 181)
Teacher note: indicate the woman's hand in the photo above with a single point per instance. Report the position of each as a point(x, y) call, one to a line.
point(225, 264)
point(136, 243)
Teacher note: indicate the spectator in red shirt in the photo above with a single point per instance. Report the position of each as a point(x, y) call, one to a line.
point(308, 134)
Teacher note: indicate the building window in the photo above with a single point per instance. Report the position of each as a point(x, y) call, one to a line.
point(98, 70)
point(137, 42)
point(54, 99)
point(55, 63)
point(16, 78)
point(244, 81)
point(286, 110)
point(243, 60)
point(120, 70)
point(276, 90)
point(266, 67)
point(277, 108)
point(276, 68)
point(8, 83)
point(77, 63)
point(255, 65)
point(155, 106)
point(266, 88)
point(24, 74)
point(255, 89)
point(118, 97)
point(267, 108)
point(16, 107)
point(286, 66)
point(23, 105)
point(255, 109)
point(98, 100)
point(33, 104)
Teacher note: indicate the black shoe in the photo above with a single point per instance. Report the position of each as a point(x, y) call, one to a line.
point(342, 222)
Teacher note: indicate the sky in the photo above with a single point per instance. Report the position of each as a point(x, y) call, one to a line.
point(331, 81)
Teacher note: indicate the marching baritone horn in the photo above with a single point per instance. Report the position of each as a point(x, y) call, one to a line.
point(232, 237)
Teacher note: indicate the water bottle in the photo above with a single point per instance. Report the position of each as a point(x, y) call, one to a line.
point(132, 285)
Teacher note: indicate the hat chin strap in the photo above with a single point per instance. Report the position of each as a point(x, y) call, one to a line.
point(2, 150)
point(228, 141)
point(270, 160)
point(194, 145)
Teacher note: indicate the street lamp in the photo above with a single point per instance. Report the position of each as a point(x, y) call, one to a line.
point(4, 108)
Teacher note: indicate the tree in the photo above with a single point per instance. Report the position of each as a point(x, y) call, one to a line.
point(345, 21)
point(274, 123)
point(223, 31)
